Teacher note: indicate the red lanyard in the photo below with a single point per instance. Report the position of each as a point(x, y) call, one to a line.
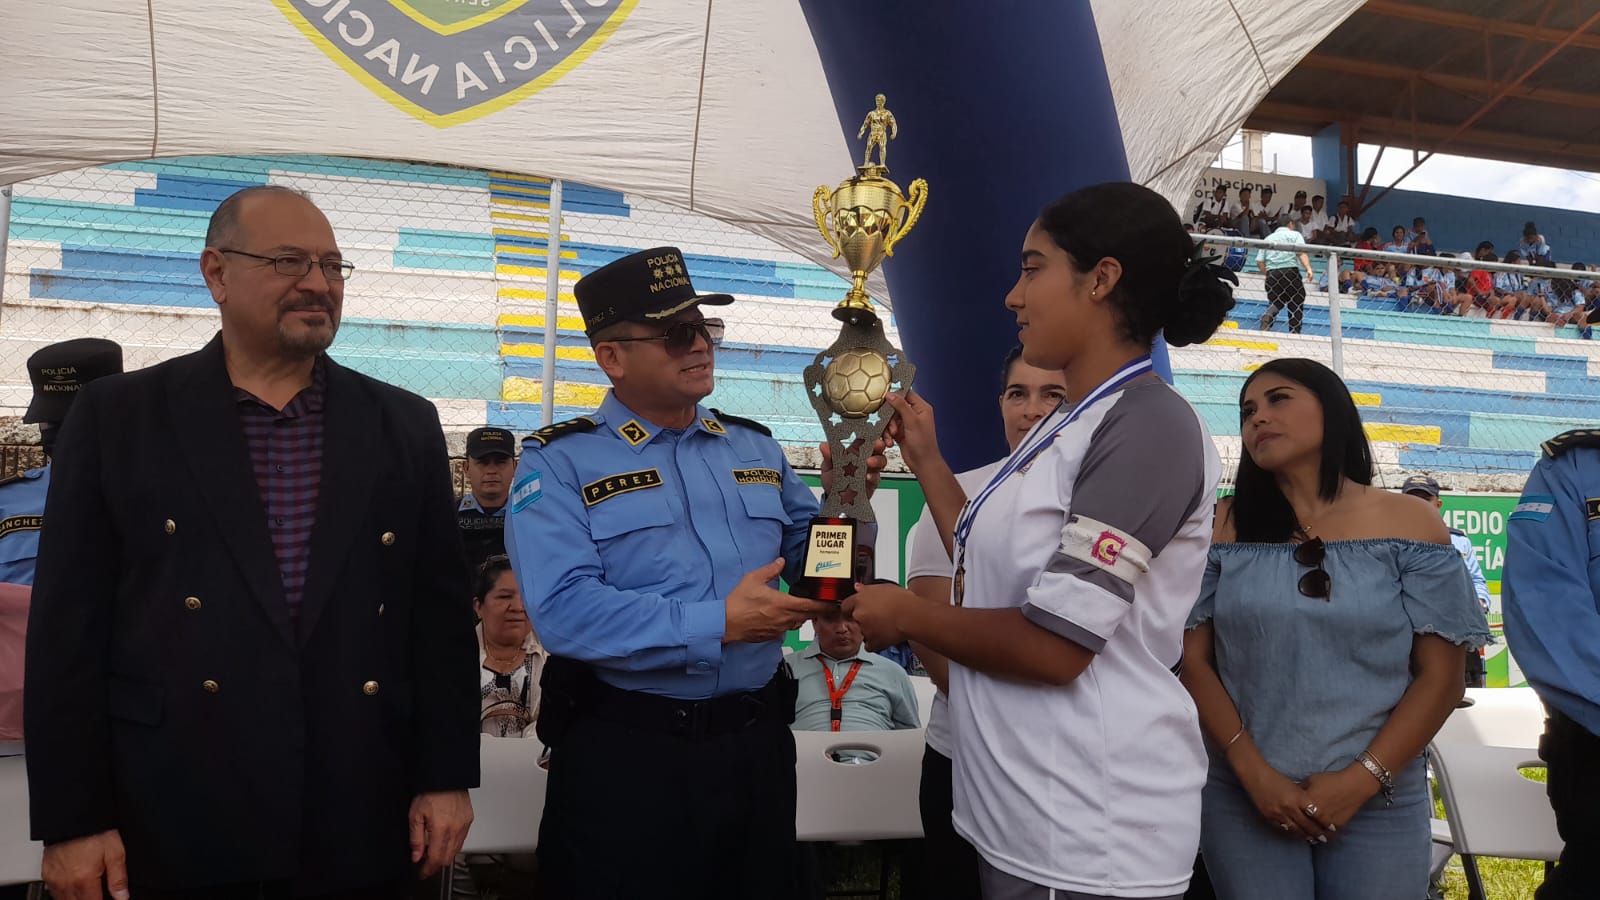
point(836, 711)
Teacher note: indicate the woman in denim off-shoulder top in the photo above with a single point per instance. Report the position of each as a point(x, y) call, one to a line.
point(1324, 652)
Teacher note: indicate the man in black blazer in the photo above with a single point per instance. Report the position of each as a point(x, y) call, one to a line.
point(251, 669)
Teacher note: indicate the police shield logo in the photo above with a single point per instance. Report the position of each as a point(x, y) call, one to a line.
point(450, 61)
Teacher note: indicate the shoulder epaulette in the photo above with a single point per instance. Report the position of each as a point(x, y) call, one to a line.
point(740, 420)
point(1571, 440)
point(561, 429)
point(1458, 532)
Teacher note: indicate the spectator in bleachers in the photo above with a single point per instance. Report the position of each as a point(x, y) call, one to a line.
point(1347, 281)
point(1570, 306)
point(844, 687)
point(1320, 231)
point(1510, 289)
point(1286, 289)
point(1342, 231)
point(1274, 212)
point(1397, 241)
point(1027, 394)
point(1215, 213)
point(1325, 650)
point(1246, 213)
point(1436, 289)
point(1478, 292)
point(1417, 237)
point(1306, 224)
point(1533, 246)
point(1300, 202)
point(1369, 241)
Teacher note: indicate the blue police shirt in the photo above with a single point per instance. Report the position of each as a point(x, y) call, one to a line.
point(1549, 584)
point(21, 518)
point(627, 538)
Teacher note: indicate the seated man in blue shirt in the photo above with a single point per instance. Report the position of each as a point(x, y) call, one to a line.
point(846, 688)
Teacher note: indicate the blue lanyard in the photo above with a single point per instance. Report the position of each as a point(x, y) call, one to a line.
point(1035, 443)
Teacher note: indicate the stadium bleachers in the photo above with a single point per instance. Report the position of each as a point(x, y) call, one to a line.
point(449, 299)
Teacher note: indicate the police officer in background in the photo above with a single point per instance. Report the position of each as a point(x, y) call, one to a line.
point(1551, 600)
point(57, 372)
point(482, 512)
point(1427, 490)
point(659, 528)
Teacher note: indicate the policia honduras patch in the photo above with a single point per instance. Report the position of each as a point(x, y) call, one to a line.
point(758, 476)
point(625, 483)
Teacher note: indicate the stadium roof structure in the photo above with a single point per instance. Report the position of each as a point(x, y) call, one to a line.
point(1513, 80)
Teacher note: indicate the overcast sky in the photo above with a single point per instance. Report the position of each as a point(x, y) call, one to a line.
point(1443, 174)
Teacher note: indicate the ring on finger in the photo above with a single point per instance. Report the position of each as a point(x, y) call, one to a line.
point(1310, 809)
point(1285, 826)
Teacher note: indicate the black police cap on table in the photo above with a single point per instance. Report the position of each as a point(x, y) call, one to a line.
point(60, 370)
point(647, 286)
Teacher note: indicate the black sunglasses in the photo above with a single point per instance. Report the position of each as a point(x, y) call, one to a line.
point(1317, 583)
point(679, 338)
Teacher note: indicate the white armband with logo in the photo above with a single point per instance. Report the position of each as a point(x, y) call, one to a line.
point(1105, 547)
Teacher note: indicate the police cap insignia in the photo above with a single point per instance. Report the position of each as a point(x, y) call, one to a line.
point(561, 429)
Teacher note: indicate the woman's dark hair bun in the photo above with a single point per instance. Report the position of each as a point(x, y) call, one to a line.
point(1205, 297)
point(1165, 286)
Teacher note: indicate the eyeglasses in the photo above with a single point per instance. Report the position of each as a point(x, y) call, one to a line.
point(297, 265)
point(1317, 583)
point(679, 338)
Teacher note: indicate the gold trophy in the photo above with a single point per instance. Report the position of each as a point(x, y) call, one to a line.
point(862, 219)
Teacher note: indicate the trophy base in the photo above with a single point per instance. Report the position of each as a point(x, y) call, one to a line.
point(832, 564)
point(855, 315)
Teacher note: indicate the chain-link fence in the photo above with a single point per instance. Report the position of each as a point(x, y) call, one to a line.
point(1460, 366)
point(449, 295)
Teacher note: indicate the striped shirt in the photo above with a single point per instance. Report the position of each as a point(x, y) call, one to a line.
point(286, 455)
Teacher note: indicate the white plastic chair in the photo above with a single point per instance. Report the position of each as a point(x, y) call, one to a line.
point(508, 803)
point(1491, 809)
point(867, 801)
point(19, 856)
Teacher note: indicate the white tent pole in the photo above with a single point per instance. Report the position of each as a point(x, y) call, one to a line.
point(5, 233)
point(552, 297)
point(1333, 314)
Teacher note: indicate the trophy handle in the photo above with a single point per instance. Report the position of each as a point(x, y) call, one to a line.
point(819, 208)
point(918, 197)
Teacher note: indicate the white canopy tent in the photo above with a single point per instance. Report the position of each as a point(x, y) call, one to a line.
point(717, 106)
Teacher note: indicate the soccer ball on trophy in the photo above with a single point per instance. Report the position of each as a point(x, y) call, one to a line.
point(856, 382)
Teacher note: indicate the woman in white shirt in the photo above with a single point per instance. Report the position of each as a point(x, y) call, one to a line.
point(1078, 758)
point(950, 867)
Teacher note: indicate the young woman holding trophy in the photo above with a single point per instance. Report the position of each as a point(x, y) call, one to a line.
point(1079, 760)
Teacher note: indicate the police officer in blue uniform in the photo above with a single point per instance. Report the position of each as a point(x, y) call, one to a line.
point(1551, 599)
point(1427, 489)
point(57, 372)
point(481, 514)
point(647, 539)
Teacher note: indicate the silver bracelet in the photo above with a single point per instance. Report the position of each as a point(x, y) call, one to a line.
point(1385, 778)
